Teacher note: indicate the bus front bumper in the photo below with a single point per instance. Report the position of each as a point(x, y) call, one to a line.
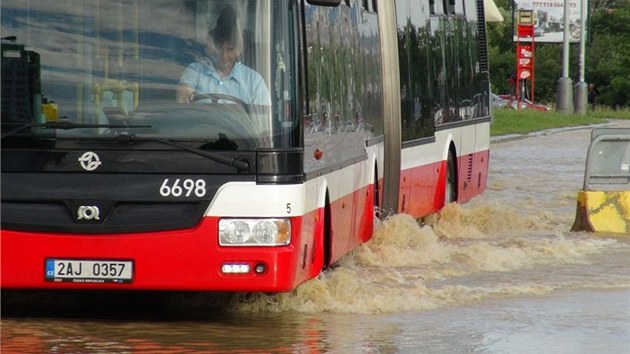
point(171, 260)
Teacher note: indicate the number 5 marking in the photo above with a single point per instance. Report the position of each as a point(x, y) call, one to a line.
point(288, 208)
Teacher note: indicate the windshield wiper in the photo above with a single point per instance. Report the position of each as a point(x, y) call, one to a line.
point(127, 138)
point(228, 161)
point(64, 125)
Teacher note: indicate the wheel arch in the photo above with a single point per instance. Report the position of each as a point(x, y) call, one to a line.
point(452, 154)
point(375, 179)
point(327, 232)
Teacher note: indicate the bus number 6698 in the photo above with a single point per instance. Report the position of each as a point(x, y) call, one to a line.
point(185, 188)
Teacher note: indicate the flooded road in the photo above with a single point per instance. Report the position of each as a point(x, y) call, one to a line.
point(501, 274)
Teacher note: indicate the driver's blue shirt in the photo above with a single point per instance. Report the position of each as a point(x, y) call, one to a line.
point(242, 82)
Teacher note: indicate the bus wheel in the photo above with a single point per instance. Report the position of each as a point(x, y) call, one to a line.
point(450, 188)
point(327, 233)
point(376, 202)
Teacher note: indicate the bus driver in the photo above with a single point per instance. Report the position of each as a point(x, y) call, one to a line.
point(220, 72)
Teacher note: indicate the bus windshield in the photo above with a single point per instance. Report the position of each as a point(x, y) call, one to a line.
point(186, 70)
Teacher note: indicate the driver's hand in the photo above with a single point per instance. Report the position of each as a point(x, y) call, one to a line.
point(184, 94)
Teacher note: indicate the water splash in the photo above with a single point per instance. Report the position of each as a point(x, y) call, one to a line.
point(443, 260)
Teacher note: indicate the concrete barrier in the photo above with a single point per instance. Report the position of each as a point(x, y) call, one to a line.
point(603, 211)
point(603, 205)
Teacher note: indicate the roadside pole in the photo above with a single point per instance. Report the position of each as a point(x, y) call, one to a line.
point(581, 87)
point(565, 94)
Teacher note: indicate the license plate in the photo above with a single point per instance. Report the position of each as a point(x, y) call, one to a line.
point(89, 271)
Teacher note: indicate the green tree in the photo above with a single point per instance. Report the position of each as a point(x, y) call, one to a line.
point(501, 53)
point(608, 53)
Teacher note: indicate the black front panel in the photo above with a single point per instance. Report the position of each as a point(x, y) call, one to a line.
point(106, 203)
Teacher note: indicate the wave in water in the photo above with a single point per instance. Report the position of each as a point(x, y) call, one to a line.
point(456, 256)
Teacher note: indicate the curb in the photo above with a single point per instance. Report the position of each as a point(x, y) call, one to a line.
point(511, 137)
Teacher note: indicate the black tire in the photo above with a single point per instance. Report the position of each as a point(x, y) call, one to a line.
point(450, 188)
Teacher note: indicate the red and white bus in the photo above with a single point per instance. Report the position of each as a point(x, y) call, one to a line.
point(109, 183)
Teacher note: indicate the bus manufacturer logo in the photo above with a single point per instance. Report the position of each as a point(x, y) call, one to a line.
point(90, 161)
point(88, 213)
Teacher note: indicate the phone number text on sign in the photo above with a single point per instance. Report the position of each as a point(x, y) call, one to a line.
point(572, 5)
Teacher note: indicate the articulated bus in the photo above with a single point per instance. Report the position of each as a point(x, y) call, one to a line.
point(110, 182)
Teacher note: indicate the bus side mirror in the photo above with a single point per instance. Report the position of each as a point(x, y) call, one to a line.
point(325, 2)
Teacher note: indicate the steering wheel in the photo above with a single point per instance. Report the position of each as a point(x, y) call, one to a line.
point(215, 97)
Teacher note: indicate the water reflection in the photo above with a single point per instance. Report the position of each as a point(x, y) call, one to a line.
point(234, 334)
point(237, 333)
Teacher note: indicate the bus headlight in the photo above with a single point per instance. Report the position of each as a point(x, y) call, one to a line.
point(254, 232)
